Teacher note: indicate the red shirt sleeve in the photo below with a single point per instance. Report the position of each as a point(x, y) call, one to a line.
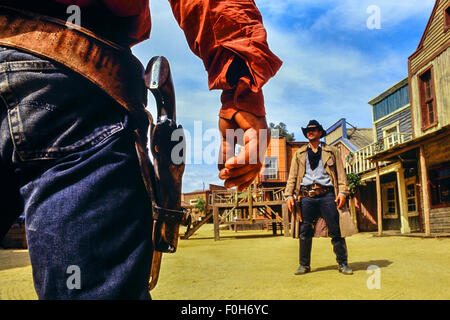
point(221, 33)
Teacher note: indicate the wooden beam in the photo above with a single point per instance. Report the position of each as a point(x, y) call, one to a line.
point(216, 223)
point(425, 191)
point(403, 202)
point(379, 201)
point(246, 204)
point(250, 201)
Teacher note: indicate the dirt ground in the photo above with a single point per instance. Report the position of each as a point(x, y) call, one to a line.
point(251, 265)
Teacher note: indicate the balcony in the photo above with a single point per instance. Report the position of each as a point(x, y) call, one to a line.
point(273, 176)
point(358, 162)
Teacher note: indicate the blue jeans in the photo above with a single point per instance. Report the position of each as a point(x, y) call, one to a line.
point(324, 206)
point(68, 153)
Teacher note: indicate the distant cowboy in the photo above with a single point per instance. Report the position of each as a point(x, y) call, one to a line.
point(318, 178)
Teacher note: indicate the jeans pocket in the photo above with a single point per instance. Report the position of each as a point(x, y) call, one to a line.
point(52, 111)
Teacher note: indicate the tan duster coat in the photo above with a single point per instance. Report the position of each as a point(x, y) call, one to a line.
point(333, 165)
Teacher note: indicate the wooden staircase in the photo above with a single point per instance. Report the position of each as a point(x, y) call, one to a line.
point(189, 232)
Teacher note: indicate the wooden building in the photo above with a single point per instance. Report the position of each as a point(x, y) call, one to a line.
point(391, 126)
point(429, 85)
point(277, 162)
point(349, 139)
point(408, 164)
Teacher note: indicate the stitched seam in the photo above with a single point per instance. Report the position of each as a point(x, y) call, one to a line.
point(91, 140)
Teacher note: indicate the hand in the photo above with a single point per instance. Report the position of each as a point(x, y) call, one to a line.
point(242, 169)
point(290, 204)
point(340, 201)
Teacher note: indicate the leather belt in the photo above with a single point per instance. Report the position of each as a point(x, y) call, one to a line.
point(314, 190)
point(109, 66)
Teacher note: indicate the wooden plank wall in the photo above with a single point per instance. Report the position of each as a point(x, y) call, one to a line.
point(435, 37)
point(441, 70)
point(404, 118)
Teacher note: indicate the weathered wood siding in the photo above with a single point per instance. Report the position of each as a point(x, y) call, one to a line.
point(440, 220)
point(434, 38)
point(334, 135)
point(394, 101)
point(437, 152)
point(441, 71)
point(404, 118)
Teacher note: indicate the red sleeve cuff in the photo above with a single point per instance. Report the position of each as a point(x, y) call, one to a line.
point(242, 98)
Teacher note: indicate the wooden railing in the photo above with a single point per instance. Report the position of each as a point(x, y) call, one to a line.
point(230, 196)
point(274, 176)
point(358, 162)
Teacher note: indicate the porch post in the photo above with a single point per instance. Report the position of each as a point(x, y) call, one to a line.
point(379, 202)
point(403, 201)
point(216, 223)
point(425, 193)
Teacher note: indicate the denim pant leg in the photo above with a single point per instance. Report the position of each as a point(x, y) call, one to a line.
point(329, 212)
point(310, 210)
point(88, 216)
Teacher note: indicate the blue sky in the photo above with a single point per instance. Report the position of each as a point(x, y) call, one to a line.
point(333, 64)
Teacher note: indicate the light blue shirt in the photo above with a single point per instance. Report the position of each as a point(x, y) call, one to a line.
point(318, 175)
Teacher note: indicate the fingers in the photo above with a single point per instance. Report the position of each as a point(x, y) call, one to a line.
point(290, 204)
point(340, 201)
point(242, 181)
point(227, 145)
point(241, 169)
point(227, 173)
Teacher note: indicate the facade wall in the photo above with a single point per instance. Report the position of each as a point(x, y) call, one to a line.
point(277, 149)
point(403, 118)
point(437, 153)
point(391, 103)
point(441, 77)
point(435, 37)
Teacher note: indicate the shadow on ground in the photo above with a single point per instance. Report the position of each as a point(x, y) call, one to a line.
point(357, 266)
point(242, 236)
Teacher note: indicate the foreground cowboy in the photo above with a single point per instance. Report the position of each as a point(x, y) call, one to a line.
point(67, 151)
point(317, 176)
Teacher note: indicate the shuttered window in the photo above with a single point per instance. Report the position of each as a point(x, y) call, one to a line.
point(427, 99)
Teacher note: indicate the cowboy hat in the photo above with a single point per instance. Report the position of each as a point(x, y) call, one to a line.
point(314, 124)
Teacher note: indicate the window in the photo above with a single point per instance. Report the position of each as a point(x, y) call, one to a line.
point(427, 99)
point(411, 196)
point(270, 168)
point(390, 134)
point(440, 186)
point(193, 202)
point(447, 18)
point(389, 201)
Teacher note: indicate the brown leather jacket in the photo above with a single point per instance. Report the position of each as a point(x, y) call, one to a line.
point(332, 163)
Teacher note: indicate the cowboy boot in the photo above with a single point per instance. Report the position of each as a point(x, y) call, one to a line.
point(305, 256)
point(340, 249)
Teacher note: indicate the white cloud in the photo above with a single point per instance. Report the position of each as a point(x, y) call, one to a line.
point(349, 15)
